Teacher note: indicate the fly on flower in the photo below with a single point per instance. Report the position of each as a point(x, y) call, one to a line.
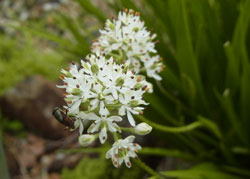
point(62, 117)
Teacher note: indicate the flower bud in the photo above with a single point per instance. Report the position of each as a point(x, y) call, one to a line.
point(143, 129)
point(86, 139)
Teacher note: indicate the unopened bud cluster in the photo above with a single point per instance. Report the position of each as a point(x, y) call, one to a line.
point(108, 86)
point(127, 39)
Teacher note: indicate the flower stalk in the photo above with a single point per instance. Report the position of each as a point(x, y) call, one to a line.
point(168, 129)
point(149, 170)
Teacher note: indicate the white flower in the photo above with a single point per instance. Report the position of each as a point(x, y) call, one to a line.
point(122, 150)
point(129, 104)
point(77, 88)
point(128, 40)
point(153, 67)
point(86, 139)
point(103, 124)
point(142, 129)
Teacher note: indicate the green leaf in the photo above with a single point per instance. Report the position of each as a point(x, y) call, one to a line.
point(233, 74)
point(184, 48)
point(201, 171)
point(129, 4)
point(240, 33)
point(166, 152)
point(90, 8)
point(185, 55)
point(245, 99)
point(227, 104)
point(190, 88)
point(158, 106)
point(236, 51)
point(75, 30)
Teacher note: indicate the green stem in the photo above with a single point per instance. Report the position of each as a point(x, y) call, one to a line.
point(238, 171)
point(165, 152)
point(127, 129)
point(143, 166)
point(116, 136)
point(210, 125)
point(168, 129)
point(84, 150)
point(241, 150)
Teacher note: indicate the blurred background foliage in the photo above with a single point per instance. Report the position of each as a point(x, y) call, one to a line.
point(204, 45)
point(100, 168)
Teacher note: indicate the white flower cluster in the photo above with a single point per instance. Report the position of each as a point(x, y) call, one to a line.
point(122, 150)
point(102, 92)
point(127, 39)
point(106, 89)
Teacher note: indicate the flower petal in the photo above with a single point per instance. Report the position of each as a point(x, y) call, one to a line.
point(122, 111)
point(130, 139)
point(93, 116)
point(103, 135)
point(93, 127)
point(81, 127)
point(127, 162)
point(103, 110)
point(130, 119)
point(114, 118)
point(94, 104)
